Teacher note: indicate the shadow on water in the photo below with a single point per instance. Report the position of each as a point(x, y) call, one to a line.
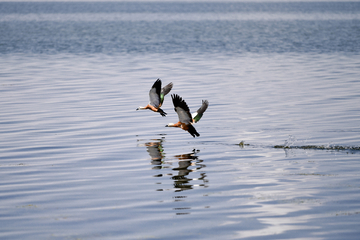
point(186, 171)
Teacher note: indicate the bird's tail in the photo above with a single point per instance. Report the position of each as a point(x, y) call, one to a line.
point(162, 112)
point(193, 131)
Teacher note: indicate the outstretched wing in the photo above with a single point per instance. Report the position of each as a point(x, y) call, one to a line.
point(154, 94)
point(199, 113)
point(182, 109)
point(165, 90)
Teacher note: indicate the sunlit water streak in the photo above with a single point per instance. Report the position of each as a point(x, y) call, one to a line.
point(138, 17)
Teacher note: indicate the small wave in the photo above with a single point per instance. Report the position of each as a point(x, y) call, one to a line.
point(320, 147)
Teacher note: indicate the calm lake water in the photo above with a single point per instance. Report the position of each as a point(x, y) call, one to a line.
point(77, 161)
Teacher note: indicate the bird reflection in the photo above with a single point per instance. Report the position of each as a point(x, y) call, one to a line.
point(186, 175)
point(182, 181)
point(185, 171)
point(156, 152)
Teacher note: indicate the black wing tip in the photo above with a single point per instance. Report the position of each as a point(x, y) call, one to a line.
point(162, 113)
point(157, 84)
point(193, 131)
point(179, 102)
point(197, 135)
point(176, 98)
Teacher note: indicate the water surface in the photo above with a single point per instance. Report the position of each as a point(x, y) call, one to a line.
point(78, 161)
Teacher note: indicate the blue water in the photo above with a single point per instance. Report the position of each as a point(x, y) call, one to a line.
point(209, 27)
point(77, 161)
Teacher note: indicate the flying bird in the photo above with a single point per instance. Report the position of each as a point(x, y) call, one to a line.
point(186, 120)
point(157, 95)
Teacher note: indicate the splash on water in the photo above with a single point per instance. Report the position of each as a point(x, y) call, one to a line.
point(293, 143)
point(321, 147)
